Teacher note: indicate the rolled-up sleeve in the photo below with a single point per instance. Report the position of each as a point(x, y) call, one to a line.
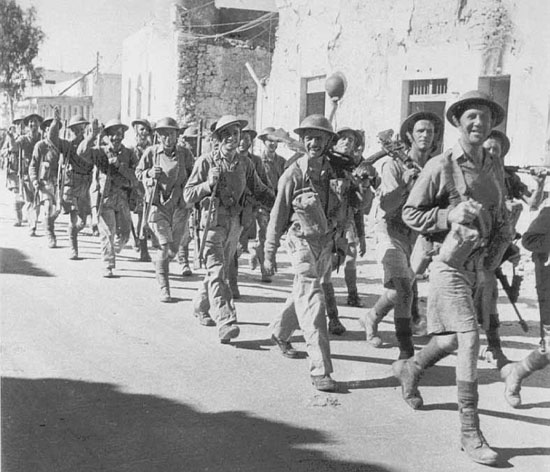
point(197, 186)
point(425, 210)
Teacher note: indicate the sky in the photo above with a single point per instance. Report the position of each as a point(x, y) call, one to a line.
point(77, 29)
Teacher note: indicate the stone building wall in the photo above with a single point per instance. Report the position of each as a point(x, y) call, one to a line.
point(214, 81)
point(379, 44)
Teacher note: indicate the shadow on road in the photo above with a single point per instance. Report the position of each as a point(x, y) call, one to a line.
point(13, 261)
point(65, 425)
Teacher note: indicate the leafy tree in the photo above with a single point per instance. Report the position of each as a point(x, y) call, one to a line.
point(19, 42)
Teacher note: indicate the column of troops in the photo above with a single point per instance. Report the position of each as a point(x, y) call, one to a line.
point(454, 212)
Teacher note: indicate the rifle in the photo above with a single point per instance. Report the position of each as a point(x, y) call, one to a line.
point(510, 294)
point(62, 168)
point(149, 202)
point(20, 174)
point(197, 235)
point(537, 171)
point(207, 225)
point(393, 147)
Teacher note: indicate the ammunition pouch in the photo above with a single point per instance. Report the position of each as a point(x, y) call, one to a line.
point(309, 213)
point(459, 245)
point(44, 171)
point(204, 214)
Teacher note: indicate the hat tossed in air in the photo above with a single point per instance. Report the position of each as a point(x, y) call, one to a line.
point(113, 124)
point(502, 138)
point(317, 122)
point(167, 123)
point(191, 132)
point(77, 120)
point(142, 121)
point(410, 121)
point(475, 97)
point(225, 121)
point(266, 132)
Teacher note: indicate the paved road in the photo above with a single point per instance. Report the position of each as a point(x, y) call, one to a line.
point(100, 376)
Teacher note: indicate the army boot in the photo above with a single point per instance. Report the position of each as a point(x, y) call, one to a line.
point(471, 438)
point(161, 271)
point(185, 268)
point(18, 206)
point(493, 353)
point(403, 333)
point(409, 371)
point(144, 251)
point(50, 223)
point(350, 276)
point(514, 372)
point(369, 322)
point(334, 324)
point(74, 243)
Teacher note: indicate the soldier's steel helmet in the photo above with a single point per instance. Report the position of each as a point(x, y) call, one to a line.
point(251, 132)
point(142, 121)
point(225, 121)
point(46, 122)
point(113, 124)
point(318, 122)
point(167, 123)
point(356, 134)
point(31, 116)
point(502, 138)
point(77, 120)
point(475, 97)
point(411, 120)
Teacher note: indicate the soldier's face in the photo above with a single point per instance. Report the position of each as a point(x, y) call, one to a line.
point(229, 138)
point(33, 125)
point(78, 130)
point(475, 124)
point(271, 146)
point(115, 137)
point(423, 134)
point(346, 143)
point(142, 133)
point(315, 142)
point(167, 137)
point(493, 147)
point(245, 142)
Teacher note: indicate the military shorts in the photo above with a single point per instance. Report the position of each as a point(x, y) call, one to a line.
point(394, 249)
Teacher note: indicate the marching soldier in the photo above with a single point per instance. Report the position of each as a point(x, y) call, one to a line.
point(498, 145)
point(537, 240)
point(43, 173)
point(421, 132)
point(273, 165)
point(188, 146)
point(343, 160)
point(162, 169)
point(219, 181)
point(77, 178)
point(112, 177)
point(20, 151)
point(142, 129)
point(458, 202)
point(316, 203)
point(251, 205)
